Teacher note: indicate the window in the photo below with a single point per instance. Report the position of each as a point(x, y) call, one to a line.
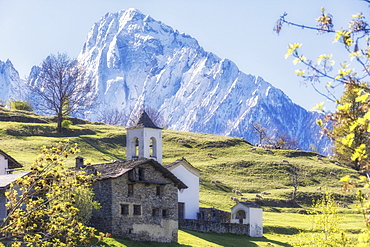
point(158, 190)
point(130, 189)
point(124, 209)
point(131, 175)
point(141, 174)
point(136, 142)
point(136, 147)
point(164, 213)
point(154, 212)
point(153, 147)
point(137, 209)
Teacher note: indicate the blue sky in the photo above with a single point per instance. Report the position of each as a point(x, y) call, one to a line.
point(240, 30)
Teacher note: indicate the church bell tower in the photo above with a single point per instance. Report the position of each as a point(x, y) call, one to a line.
point(144, 140)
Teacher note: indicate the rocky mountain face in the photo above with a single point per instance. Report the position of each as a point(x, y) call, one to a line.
point(135, 61)
point(11, 86)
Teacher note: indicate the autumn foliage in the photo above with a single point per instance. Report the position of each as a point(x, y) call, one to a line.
point(42, 209)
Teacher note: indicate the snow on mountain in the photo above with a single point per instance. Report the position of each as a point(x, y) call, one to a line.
point(11, 86)
point(134, 60)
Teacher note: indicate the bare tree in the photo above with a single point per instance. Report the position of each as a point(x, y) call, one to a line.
point(61, 87)
point(262, 133)
point(113, 117)
point(295, 174)
point(284, 141)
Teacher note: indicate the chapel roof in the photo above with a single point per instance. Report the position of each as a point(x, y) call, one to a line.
point(250, 204)
point(144, 121)
point(118, 168)
point(12, 163)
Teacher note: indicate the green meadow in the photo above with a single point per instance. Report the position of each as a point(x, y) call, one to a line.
point(231, 161)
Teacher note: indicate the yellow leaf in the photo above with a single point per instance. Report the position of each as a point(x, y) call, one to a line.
point(300, 72)
point(319, 106)
point(353, 126)
point(358, 15)
point(361, 121)
point(348, 140)
point(319, 122)
point(343, 107)
point(296, 60)
point(345, 179)
point(359, 152)
point(323, 57)
point(354, 55)
point(363, 98)
point(363, 178)
point(291, 49)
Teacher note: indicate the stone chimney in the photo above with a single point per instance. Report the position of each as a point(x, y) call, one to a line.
point(80, 162)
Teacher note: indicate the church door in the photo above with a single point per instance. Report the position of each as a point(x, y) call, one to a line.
point(181, 210)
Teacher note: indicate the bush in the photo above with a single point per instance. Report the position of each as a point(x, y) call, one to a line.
point(20, 105)
point(66, 124)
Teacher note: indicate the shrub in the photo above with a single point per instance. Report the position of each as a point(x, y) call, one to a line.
point(66, 124)
point(20, 105)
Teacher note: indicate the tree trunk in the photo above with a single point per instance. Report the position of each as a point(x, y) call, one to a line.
point(294, 194)
point(59, 122)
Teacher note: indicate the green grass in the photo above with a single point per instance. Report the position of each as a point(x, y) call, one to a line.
point(232, 162)
point(197, 239)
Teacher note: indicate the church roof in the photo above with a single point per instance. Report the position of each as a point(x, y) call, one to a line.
point(185, 163)
point(12, 163)
point(118, 168)
point(144, 121)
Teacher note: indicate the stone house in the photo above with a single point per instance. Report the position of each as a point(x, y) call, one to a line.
point(248, 213)
point(138, 199)
point(7, 166)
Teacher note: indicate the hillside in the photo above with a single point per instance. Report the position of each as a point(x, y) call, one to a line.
point(232, 162)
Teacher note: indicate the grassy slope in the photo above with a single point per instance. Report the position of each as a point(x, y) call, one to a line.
point(232, 163)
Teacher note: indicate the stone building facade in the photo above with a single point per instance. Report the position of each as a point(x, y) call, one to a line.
point(138, 199)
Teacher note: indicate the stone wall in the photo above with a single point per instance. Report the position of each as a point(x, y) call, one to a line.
point(214, 214)
point(212, 226)
point(102, 219)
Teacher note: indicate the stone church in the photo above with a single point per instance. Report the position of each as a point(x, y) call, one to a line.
point(139, 196)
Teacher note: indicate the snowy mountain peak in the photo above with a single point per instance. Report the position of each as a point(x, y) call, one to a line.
point(11, 86)
point(135, 60)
